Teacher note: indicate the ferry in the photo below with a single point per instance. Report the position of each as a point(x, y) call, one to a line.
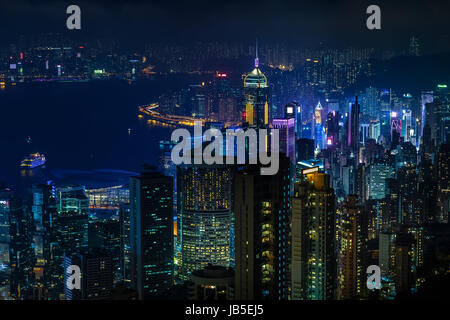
point(33, 160)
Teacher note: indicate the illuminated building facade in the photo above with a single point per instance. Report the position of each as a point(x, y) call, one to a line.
point(376, 180)
point(47, 268)
point(151, 233)
point(286, 129)
point(204, 217)
point(256, 98)
point(211, 283)
point(109, 198)
point(96, 276)
point(352, 239)
point(262, 233)
point(313, 261)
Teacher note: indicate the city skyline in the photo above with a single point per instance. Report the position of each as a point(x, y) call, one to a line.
point(112, 184)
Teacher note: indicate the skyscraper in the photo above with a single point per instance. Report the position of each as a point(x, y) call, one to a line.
point(352, 250)
point(204, 216)
point(256, 97)
point(313, 265)
point(151, 233)
point(353, 127)
point(96, 276)
point(262, 233)
point(287, 136)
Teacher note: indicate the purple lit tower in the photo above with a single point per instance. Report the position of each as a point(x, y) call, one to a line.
point(286, 129)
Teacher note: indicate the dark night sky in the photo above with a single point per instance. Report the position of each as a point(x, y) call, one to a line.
point(304, 23)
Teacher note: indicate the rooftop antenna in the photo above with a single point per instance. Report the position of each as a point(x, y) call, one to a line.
point(256, 58)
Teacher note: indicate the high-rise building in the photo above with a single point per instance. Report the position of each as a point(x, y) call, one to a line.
point(376, 180)
point(352, 250)
point(443, 178)
point(262, 233)
point(287, 136)
point(205, 217)
point(313, 264)
point(48, 269)
point(404, 276)
point(105, 236)
point(256, 98)
point(71, 222)
point(5, 205)
point(353, 127)
point(21, 252)
point(212, 283)
point(151, 233)
point(96, 276)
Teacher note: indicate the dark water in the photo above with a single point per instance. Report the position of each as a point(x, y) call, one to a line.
point(79, 126)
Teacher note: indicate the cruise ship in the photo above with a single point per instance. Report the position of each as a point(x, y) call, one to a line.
point(33, 160)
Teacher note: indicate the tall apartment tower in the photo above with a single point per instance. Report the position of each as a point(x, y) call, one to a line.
point(352, 249)
point(313, 264)
point(151, 233)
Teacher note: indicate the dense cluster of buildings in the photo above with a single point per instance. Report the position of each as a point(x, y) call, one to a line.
point(362, 180)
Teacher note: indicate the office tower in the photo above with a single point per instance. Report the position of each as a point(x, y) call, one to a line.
point(125, 245)
point(199, 102)
point(72, 200)
point(313, 264)
point(443, 180)
point(376, 180)
point(352, 249)
point(333, 129)
point(360, 183)
point(290, 110)
point(48, 269)
point(5, 207)
point(395, 129)
point(105, 235)
point(304, 149)
point(71, 222)
point(319, 129)
point(374, 129)
point(21, 252)
point(204, 217)
point(353, 127)
point(437, 117)
point(427, 195)
point(287, 136)
point(370, 102)
point(211, 283)
point(404, 277)
point(364, 133)
point(426, 97)
point(96, 281)
point(151, 233)
point(256, 98)
point(386, 254)
point(262, 233)
point(407, 182)
point(225, 102)
point(406, 125)
point(293, 111)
